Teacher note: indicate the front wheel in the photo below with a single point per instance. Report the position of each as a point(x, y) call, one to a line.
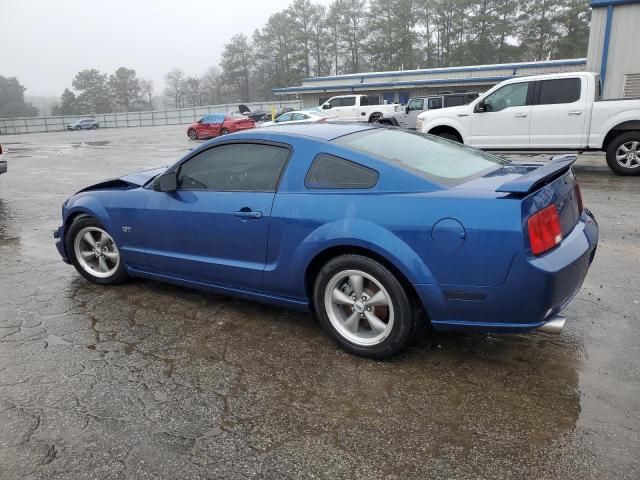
point(193, 135)
point(94, 253)
point(623, 154)
point(375, 117)
point(363, 306)
point(78, 128)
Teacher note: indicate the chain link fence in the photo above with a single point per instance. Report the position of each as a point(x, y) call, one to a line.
point(180, 116)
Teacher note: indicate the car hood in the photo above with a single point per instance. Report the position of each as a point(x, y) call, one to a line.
point(132, 180)
point(449, 111)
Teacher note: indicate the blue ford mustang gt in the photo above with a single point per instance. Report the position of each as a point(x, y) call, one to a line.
point(378, 230)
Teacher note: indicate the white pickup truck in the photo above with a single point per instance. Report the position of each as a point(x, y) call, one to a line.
point(3, 163)
point(554, 112)
point(358, 108)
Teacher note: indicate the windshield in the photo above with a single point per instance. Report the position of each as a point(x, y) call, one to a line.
point(439, 160)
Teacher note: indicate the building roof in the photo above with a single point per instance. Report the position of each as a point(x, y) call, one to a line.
point(476, 74)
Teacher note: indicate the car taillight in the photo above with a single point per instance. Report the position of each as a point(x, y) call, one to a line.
point(544, 230)
point(579, 199)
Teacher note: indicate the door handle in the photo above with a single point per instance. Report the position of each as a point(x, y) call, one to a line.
point(521, 115)
point(575, 112)
point(248, 213)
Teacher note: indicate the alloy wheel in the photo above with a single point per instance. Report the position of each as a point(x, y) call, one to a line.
point(628, 154)
point(96, 252)
point(359, 307)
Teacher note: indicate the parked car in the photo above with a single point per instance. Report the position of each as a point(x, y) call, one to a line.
point(358, 108)
point(561, 111)
point(84, 124)
point(406, 118)
point(217, 124)
point(3, 163)
point(378, 230)
point(298, 117)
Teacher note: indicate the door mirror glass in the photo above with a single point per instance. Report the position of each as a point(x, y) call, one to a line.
point(479, 108)
point(326, 106)
point(167, 182)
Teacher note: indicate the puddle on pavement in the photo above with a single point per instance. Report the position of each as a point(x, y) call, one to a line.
point(98, 143)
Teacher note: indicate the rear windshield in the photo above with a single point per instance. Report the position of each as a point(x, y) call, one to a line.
point(439, 160)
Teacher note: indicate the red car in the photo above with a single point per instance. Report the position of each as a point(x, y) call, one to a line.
point(217, 124)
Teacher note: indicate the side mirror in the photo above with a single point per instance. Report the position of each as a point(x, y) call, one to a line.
point(406, 109)
point(326, 106)
point(167, 182)
point(480, 107)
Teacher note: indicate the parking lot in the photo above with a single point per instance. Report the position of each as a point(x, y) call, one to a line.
point(147, 380)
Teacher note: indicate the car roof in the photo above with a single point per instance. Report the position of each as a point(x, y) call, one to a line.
point(322, 131)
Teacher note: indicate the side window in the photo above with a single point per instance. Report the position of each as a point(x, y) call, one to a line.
point(348, 101)
point(336, 102)
point(512, 95)
point(561, 90)
point(373, 99)
point(284, 118)
point(299, 116)
point(435, 103)
point(454, 101)
point(246, 167)
point(328, 171)
point(416, 104)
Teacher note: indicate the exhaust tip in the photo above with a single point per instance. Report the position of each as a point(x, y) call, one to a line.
point(554, 325)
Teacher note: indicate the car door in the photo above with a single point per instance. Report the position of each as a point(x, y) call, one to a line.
point(558, 113)
point(502, 118)
point(299, 118)
point(414, 107)
point(215, 225)
point(285, 118)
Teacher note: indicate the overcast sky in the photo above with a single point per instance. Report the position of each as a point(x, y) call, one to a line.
point(46, 42)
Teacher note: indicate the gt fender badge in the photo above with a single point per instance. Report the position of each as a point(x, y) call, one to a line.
point(126, 229)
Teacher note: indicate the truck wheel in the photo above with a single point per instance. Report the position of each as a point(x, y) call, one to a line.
point(375, 117)
point(623, 154)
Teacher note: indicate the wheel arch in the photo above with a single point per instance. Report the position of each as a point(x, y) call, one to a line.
point(440, 129)
point(619, 129)
point(375, 116)
point(324, 256)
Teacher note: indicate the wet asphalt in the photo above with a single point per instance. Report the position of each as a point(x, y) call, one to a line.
point(147, 380)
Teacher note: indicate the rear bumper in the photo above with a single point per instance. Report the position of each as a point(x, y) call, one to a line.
point(534, 293)
point(3, 166)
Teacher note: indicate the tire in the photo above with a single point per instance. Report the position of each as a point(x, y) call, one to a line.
point(623, 154)
point(78, 128)
point(347, 321)
point(106, 269)
point(375, 117)
point(94, 127)
point(224, 131)
point(193, 135)
point(449, 136)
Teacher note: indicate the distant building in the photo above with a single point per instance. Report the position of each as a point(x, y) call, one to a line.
point(398, 86)
point(614, 46)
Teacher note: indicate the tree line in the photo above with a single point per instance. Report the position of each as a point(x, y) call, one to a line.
point(353, 36)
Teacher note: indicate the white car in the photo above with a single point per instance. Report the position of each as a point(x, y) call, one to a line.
point(299, 116)
point(556, 112)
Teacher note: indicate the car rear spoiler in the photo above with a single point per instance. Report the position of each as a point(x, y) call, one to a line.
point(545, 173)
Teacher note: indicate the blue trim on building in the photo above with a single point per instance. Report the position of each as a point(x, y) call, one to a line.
point(406, 83)
point(478, 68)
point(606, 3)
point(605, 44)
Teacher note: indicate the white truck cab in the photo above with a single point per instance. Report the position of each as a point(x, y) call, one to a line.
point(546, 112)
point(357, 108)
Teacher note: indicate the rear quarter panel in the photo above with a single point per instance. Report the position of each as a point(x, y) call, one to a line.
point(608, 114)
point(392, 223)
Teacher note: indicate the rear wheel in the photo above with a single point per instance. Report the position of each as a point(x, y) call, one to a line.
point(94, 253)
point(363, 306)
point(375, 117)
point(193, 135)
point(623, 154)
point(94, 126)
point(78, 128)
